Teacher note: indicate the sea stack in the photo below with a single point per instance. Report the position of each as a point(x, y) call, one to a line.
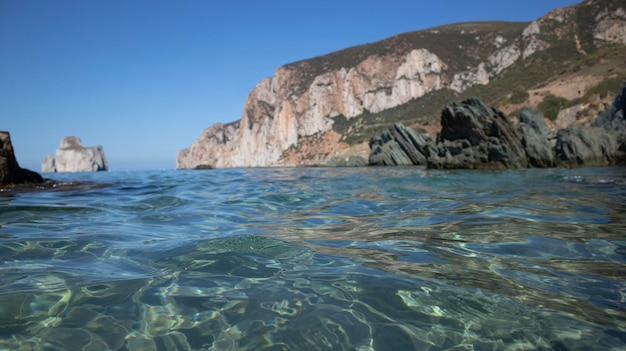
point(72, 156)
point(10, 171)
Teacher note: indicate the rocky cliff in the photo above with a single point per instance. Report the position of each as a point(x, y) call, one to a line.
point(313, 110)
point(72, 156)
point(280, 111)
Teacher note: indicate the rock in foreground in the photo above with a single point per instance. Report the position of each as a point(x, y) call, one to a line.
point(72, 156)
point(10, 171)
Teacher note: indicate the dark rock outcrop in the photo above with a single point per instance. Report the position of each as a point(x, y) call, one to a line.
point(72, 156)
point(476, 136)
point(603, 143)
point(585, 146)
point(10, 171)
point(400, 146)
point(613, 120)
point(613, 117)
point(536, 138)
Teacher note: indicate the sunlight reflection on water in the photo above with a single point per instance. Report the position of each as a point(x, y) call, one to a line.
point(318, 259)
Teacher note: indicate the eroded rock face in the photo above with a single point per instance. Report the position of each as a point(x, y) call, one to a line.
point(536, 138)
point(614, 118)
point(48, 164)
point(278, 111)
point(579, 145)
point(585, 146)
point(72, 156)
point(476, 136)
point(206, 151)
point(400, 146)
point(611, 27)
point(10, 171)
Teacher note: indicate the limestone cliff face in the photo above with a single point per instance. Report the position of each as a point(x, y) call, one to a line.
point(72, 156)
point(302, 101)
point(208, 150)
point(611, 26)
point(275, 116)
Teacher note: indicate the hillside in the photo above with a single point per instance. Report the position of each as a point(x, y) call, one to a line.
point(591, 80)
point(444, 41)
point(329, 106)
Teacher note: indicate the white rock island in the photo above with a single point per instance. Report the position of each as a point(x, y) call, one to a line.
point(72, 156)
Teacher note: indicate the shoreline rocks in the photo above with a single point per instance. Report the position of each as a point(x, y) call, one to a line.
point(72, 156)
point(536, 139)
point(400, 146)
point(10, 171)
point(585, 146)
point(474, 136)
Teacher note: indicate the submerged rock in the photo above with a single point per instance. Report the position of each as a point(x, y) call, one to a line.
point(10, 171)
point(351, 161)
point(252, 244)
point(72, 156)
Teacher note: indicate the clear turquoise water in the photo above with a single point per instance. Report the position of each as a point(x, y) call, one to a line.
point(317, 259)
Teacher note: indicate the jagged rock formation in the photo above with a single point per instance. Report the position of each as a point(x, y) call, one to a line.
point(400, 146)
point(536, 139)
point(72, 156)
point(327, 99)
point(602, 143)
point(475, 136)
point(586, 146)
point(206, 151)
point(613, 118)
point(10, 171)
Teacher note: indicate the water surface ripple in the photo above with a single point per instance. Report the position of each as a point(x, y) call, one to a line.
point(317, 259)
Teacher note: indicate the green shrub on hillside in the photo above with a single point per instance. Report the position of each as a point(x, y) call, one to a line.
point(341, 124)
point(518, 97)
point(608, 86)
point(551, 105)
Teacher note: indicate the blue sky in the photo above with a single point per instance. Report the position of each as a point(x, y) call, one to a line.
point(144, 78)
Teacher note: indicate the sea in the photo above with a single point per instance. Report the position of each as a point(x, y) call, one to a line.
point(372, 258)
